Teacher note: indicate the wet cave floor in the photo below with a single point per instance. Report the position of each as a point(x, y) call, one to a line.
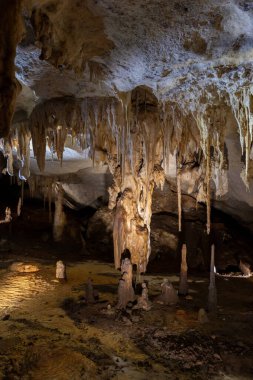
point(47, 331)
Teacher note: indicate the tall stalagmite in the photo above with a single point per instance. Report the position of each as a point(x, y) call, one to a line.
point(183, 284)
point(212, 294)
point(59, 215)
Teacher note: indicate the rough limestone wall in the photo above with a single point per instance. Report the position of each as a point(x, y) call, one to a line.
point(10, 34)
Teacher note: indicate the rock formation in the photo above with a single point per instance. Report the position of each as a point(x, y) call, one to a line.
point(11, 31)
point(157, 97)
point(61, 271)
point(89, 291)
point(8, 217)
point(183, 284)
point(59, 215)
point(125, 288)
point(245, 268)
point(168, 294)
point(212, 293)
point(143, 301)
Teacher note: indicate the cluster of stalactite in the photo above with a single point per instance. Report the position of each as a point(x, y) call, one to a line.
point(50, 124)
point(242, 106)
point(136, 136)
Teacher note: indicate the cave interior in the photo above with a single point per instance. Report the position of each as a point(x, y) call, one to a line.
point(126, 181)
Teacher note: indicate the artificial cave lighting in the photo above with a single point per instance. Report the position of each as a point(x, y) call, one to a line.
point(126, 179)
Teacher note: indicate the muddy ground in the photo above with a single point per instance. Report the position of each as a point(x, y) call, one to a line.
point(47, 330)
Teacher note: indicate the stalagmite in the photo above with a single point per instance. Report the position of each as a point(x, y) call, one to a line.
point(59, 215)
point(202, 316)
point(245, 268)
point(8, 217)
point(19, 206)
point(125, 288)
point(212, 294)
point(183, 284)
point(89, 291)
point(61, 271)
point(50, 185)
point(22, 193)
point(168, 295)
point(143, 301)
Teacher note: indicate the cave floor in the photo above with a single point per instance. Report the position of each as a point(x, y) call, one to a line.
point(47, 331)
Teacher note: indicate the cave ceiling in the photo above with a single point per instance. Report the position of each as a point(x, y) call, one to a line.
point(189, 52)
point(153, 89)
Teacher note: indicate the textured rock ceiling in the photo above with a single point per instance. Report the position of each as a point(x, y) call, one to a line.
point(182, 50)
point(154, 89)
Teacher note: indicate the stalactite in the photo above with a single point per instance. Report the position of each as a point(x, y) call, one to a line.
point(50, 185)
point(241, 106)
point(208, 188)
point(50, 121)
point(179, 198)
point(8, 153)
point(210, 126)
point(24, 137)
point(135, 135)
point(19, 206)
